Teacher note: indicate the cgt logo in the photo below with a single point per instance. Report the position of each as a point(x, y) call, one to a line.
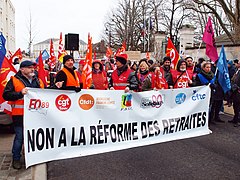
point(63, 102)
point(86, 101)
point(37, 104)
point(180, 98)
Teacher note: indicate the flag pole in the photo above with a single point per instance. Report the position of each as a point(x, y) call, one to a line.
point(198, 50)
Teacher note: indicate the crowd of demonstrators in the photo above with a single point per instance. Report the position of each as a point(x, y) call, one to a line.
point(120, 74)
point(14, 92)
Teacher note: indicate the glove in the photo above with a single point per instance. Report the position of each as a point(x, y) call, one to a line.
point(77, 89)
point(212, 86)
point(234, 87)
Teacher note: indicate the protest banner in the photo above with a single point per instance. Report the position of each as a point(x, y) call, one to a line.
point(65, 124)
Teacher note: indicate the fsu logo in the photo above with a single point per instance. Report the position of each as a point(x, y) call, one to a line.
point(86, 101)
point(63, 102)
point(126, 103)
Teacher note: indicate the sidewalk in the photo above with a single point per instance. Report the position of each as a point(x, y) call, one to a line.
point(228, 110)
point(6, 170)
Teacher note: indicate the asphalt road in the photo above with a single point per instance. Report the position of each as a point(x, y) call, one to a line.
point(214, 156)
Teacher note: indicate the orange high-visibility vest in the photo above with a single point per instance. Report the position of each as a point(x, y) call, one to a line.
point(71, 81)
point(18, 105)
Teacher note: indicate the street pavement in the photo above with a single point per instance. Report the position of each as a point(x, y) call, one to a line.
point(214, 156)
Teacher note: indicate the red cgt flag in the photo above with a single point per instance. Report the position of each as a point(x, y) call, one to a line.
point(41, 71)
point(17, 54)
point(87, 68)
point(172, 53)
point(7, 70)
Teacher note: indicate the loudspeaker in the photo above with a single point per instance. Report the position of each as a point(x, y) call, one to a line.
point(72, 42)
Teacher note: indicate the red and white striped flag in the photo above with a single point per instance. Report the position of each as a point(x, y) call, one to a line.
point(87, 68)
point(52, 57)
point(61, 50)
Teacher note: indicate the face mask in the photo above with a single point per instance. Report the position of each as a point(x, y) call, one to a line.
point(183, 69)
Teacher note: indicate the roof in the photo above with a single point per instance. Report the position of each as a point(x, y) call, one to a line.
point(47, 41)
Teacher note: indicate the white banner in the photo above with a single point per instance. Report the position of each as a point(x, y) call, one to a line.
point(65, 124)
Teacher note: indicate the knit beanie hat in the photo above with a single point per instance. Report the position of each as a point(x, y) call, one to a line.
point(122, 58)
point(167, 58)
point(66, 57)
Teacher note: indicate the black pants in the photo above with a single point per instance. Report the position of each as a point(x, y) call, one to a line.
point(236, 107)
point(215, 107)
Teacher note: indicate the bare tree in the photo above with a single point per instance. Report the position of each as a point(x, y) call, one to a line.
point(31, 34)
point(227, 14)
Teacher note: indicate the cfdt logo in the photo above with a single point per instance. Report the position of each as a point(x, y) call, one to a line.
point(180, 98)
point(126, 103)
point(86, 101)
point(37, 104)
point(63, 102)
point(154, 101)
point(197, 96)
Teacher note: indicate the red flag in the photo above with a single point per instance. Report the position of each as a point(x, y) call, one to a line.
point(109, 52)
point(148, 55)
point(17, 54)
point(121, 50)
point(41, 71)
point(124, 45)
point(61, 51)
point(9, 54)
point(172, 53)
point(87, 68)
point(52, 57)
point(208, 38)
point(7, 70)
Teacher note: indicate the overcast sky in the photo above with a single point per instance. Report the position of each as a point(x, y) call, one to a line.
point(50, 17)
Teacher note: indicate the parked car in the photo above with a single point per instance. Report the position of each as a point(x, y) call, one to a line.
point(5, 119)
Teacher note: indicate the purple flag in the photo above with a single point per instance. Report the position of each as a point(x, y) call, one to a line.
point(208, 38)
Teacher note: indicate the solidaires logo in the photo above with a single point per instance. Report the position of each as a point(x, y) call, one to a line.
point(180, 98)
point(86, 101)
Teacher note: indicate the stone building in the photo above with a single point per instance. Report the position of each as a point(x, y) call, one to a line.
point(7, 23)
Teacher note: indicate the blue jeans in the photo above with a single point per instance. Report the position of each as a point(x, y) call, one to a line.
point(17, 143)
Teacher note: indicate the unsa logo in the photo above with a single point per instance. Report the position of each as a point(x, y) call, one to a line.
point(86, 101)
point(180, 98)
point(63, 102)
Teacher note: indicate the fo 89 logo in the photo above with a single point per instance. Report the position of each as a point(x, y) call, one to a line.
point(37, 104)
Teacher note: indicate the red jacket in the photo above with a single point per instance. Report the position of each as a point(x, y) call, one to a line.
point(182, 81)
point(100, 80)
point(120, 82)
